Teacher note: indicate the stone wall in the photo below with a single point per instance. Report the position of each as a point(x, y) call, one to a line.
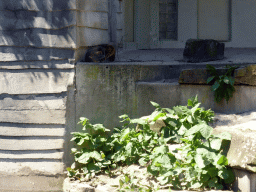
point(38, 45)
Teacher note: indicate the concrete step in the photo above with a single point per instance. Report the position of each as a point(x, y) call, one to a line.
point(9, 183)
point(169, 93)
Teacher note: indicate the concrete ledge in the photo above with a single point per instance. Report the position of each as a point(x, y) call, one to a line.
point(243, 75)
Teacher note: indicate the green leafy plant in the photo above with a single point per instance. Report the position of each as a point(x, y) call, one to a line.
point(200, 164)
point(223, 86)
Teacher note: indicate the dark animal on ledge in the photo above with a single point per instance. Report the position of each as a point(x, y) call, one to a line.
point(100, 53)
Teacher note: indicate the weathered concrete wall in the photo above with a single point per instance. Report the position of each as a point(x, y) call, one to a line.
point(106, 91)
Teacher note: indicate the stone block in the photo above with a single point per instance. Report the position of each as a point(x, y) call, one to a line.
point(38, 143)
point(34, 81)
point(24, 19)
point(241, 153)
point(48, 154)
point(12, 129)
point(38, 37)
point(246, 75)
point(33, 116)
point(38, 5)
point(203, 50)
point(12, 53)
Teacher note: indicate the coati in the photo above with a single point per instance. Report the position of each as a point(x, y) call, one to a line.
point(100, 53)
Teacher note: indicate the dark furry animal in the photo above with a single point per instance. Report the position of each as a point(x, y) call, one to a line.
point(100, 53)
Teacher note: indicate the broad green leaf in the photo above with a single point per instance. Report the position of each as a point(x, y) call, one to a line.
point(210, 79)
point(156, 105)
point(224, 135)
point(196, 185)
point(206, 131)
point(161, 150)
point(124, 134)
point(212, 182)
point(224, 174)
point(194, 130)
point(139, 121)
point(200, 161)
point(226, 80)
point(215, 86)
point(93, 168)
point(231, 177)
point(127, 179)
point(169, 110)
point(195, 108)
point(178, 110)
point(223, 160)
point(158, 116)
point(212, 171)
point(205, 177)
point(143, 161)
point(216, 144)
point(81, 142)
point(84, 158)
point(219, 186)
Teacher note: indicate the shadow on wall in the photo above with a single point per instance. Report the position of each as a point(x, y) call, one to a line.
point(37, 31)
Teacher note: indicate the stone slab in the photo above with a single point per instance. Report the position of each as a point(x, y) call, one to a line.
point(38, 5)
point(38, 103)
point(49, 154)
point(35, 81)
point(33, 116)
point(59, 64)
point(26, 19)
point(11, 129)
point(34, 143)
point(12, 53)
point(97, 20)
point(39, 37)
point(31, 183)
point(241, 153)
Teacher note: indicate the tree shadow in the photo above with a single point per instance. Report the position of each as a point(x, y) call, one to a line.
point(33, 31)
